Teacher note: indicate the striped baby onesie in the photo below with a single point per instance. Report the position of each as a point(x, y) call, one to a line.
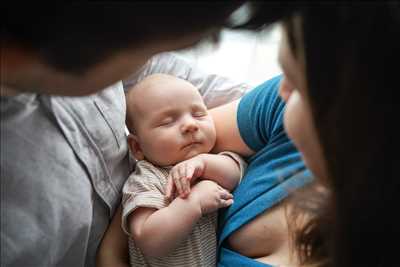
point(145, 187)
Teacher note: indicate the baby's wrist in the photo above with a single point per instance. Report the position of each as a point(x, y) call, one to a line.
point(194, 199)
point(203, 158)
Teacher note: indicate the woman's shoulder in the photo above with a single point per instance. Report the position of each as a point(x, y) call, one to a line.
point(263, 96)
point(260, 114)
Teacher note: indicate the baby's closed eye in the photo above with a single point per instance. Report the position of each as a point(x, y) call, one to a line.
point(199, 114)
point(166, 121)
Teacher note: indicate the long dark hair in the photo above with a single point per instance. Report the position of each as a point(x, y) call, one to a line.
point(351, 55)
point(352, 80)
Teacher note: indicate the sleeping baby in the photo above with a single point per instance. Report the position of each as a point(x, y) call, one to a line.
point(170, 201)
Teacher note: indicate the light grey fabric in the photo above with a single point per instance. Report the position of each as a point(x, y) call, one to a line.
point(63, 163)
point(215, 89)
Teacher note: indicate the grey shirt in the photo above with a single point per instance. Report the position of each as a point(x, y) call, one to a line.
point(63, 163)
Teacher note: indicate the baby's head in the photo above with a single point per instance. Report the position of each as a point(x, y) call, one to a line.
point(167, 120)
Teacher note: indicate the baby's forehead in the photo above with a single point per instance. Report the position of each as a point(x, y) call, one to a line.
point(160, 78)
point(158, 90)
point(161, 85)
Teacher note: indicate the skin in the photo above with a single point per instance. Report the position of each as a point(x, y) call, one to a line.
point(168, 129)
point(298, 116)
point(165, 114)
point(23, 70)
point(266, 238)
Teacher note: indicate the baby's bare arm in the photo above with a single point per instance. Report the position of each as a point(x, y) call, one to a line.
point(219, 168)
point(158, 232)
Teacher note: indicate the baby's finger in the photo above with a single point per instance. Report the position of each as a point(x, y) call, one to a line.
point(177, 182)
point(225, 195)
point(182, 171)
point(185, 187)
point(169, 190)
point(186, 181)
point(226, 203)
point(189, 172)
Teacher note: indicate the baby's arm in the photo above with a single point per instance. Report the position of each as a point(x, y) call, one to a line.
point(158, 232)
point(220, 168)
point(113, 250)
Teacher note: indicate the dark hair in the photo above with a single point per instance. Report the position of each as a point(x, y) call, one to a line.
point(351, 54)
point(74, 36)
point(352, 81)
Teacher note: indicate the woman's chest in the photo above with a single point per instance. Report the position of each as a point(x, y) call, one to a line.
point(265, 235)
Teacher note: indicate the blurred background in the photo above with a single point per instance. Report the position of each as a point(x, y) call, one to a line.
point(240, 55)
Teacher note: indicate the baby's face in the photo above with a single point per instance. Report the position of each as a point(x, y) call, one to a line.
point(172, 122)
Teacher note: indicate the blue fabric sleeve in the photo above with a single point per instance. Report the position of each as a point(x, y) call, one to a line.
point(260, 114)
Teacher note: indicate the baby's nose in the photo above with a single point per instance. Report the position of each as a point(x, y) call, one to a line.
point(190, 126)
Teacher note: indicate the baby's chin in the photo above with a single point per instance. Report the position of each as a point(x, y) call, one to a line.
point(191, 155)
point(177, 160)
point(194, 151)
point(185, 154)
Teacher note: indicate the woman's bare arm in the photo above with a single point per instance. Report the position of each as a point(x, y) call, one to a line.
point(113, 250)
point(228, 135)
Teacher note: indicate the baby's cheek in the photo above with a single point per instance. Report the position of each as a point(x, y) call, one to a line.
point(171, 143)
point(210, 128)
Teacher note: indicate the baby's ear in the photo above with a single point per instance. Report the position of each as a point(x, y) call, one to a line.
point(134, 146)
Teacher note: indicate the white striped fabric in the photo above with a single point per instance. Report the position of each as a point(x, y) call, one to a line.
point(146, 188)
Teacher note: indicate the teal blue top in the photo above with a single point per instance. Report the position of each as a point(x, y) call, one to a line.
point(273, 172)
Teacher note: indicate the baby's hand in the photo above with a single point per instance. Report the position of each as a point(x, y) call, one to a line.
point(211, 196)
point(182, 175)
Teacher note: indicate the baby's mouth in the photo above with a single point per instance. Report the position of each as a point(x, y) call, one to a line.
point(193, 143)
